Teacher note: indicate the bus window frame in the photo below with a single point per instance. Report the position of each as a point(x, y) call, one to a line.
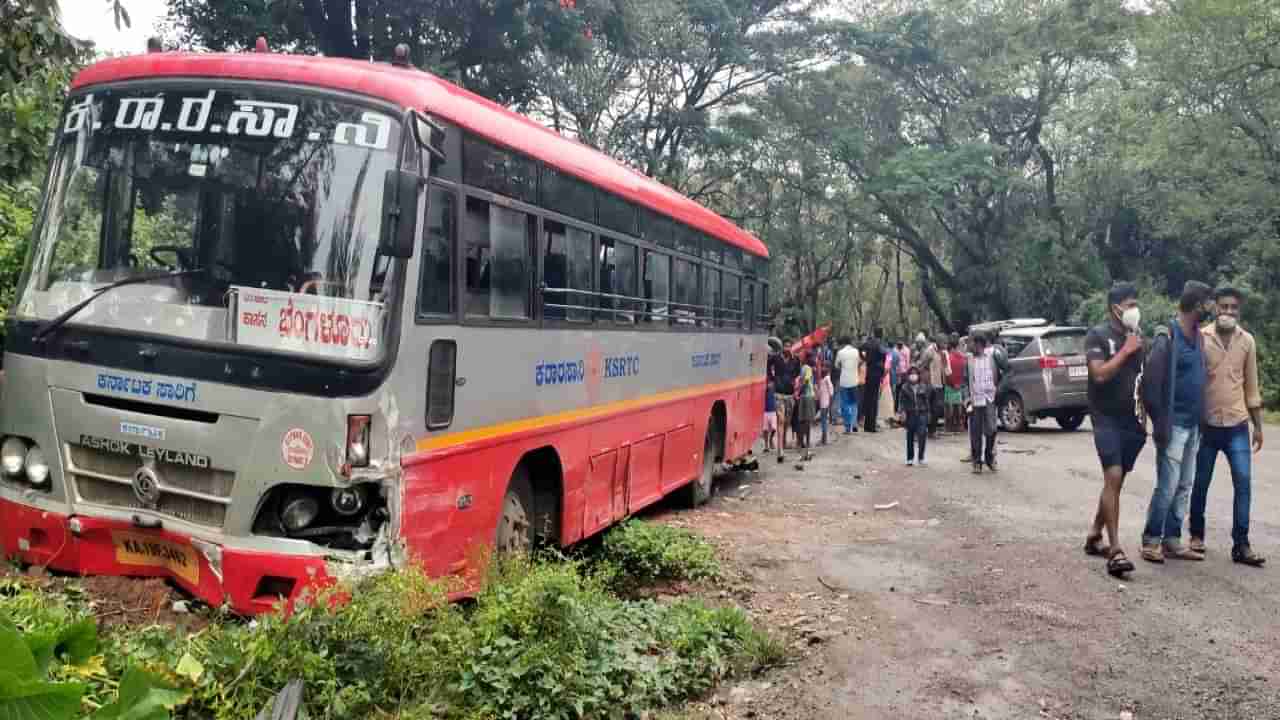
point(427, 318)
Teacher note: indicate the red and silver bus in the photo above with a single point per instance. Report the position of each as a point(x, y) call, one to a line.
point(287, 319)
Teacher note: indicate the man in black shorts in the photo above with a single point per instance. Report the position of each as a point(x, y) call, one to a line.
point(1114, 353)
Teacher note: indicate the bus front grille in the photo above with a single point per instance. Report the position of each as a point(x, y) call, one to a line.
point(196, 495)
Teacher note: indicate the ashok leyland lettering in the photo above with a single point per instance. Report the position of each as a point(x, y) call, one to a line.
point(285, 319)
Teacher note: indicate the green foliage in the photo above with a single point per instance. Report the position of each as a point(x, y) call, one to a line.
point(642, 553)
point(543, 639)
point(50, 668)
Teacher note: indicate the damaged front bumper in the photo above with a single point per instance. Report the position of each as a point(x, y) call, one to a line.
point(246, 581)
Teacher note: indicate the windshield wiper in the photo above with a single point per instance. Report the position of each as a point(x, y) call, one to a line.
point(43, 331)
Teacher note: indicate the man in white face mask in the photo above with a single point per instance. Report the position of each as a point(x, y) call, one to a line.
point(1114, 354)
point(1232, 399)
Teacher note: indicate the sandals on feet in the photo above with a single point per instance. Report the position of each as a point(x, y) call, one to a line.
point(1152, 554)
point(1093, 549)
point(1197, 545)
point(1179, 552)
point(1118, 565)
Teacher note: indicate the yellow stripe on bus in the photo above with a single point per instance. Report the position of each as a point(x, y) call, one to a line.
point(584, 414)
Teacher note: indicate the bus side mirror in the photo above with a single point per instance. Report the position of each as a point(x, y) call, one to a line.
point(399, 213)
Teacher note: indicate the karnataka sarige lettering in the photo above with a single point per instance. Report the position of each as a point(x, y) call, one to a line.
point(140, 387)
point(559, 373)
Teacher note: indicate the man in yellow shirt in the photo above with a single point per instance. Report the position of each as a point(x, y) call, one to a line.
point(1232, 399)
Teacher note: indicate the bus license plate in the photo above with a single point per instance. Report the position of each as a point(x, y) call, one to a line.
point(1078, 371)
point(149, 551)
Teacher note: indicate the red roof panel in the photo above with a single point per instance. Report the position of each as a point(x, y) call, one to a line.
point(417, 89)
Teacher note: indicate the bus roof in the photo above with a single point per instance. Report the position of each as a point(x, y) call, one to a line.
point(412, 88)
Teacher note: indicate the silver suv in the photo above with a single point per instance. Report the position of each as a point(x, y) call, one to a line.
point(1047, 377)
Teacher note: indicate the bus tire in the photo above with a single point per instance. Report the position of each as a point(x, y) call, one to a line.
point(515, 519)
point(699, 491)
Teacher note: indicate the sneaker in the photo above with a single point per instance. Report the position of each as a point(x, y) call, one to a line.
point(922, 462)
point(910, 463)
point(1245, 555)
point(992, 466)
point(977, 468)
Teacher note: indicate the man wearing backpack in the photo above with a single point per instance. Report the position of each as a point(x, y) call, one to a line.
point(1172, 391)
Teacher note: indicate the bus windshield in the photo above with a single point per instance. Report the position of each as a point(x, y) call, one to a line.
point(268, 202)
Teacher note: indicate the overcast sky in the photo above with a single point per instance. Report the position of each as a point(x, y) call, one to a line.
point(93, 20)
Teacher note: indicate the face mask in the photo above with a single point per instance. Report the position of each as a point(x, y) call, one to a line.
point(913, 378)
point(1226, 322)
point(1131, 318)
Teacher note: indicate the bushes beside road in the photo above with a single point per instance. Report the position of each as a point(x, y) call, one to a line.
point(546, 638)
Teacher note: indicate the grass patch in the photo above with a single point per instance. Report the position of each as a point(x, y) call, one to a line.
point(546, 638)
point(636, 554)
point(1271, 417)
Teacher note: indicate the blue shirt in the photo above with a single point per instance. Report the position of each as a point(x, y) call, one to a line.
point(894, 359)
point(1189, 380)
point(770, 402)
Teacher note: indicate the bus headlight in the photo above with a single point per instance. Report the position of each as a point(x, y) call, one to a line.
point(37, 468)
point(13, 453)
point(347, 501)
point(298, 512)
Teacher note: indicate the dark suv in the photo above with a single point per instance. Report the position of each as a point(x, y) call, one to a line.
point(1047, 374)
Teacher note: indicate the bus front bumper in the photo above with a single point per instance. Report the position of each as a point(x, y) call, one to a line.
point(249, 582)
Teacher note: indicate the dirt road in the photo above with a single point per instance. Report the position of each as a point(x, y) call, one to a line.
point(972, 597)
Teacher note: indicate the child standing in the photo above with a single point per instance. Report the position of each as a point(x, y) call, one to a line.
point(770, 418)
point(825, 391)
point(913, 411)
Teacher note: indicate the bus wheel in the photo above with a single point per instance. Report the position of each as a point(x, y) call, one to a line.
point(698, 492)
point(515, 525)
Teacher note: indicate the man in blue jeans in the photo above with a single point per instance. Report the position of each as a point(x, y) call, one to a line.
point(847, 360)
point(1232, 399)
point(1172, 389)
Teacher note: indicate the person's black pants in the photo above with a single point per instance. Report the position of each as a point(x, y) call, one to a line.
point(871, 396)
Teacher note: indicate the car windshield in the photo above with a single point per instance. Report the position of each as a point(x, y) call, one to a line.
point(272, 200)
point(1059, 344)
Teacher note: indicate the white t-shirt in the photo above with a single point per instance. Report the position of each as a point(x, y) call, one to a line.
point(847, 360)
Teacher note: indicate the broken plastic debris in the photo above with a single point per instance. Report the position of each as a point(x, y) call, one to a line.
point(887, 506)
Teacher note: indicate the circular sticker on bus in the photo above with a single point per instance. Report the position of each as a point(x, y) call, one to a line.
point(297, 448)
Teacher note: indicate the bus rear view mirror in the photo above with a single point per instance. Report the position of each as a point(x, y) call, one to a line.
point(400, 207)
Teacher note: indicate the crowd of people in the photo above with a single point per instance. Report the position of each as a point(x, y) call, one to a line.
point(947, 381)
point(1194, 383)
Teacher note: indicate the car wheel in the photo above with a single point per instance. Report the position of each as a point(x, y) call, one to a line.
point(1012, 413)
point(1071, 422)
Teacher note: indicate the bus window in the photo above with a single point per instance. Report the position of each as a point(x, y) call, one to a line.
point(710, 295)
point(499, 170)
point(685, 292)
point(617, 277)
point(616, 213)
point(658, 229)
point(435, 294)
point(441, 378)
point(566, 263)
point(497, 260)
point(731, 316)
point(762, 308)
point(657, 285)
point(748, 303)
point(566, 195)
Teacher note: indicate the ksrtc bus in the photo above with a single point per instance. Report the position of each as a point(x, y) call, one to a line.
point(291, 318)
